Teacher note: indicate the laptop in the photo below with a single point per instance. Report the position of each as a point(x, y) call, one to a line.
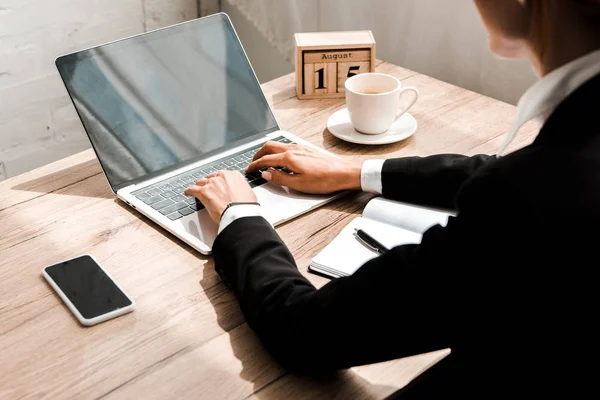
point(165, 108)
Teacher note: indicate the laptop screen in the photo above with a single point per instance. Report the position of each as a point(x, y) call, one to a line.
point(157, 101)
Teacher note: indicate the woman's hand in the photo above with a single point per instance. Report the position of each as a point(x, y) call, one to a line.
point(312, 170)
point(219, 189)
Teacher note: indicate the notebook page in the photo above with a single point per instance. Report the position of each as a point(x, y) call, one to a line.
point(345, 254)
point(411, 217)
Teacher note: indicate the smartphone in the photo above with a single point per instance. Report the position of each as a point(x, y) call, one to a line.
point(89, 292)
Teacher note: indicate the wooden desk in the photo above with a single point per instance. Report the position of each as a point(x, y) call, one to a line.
point(188, 338)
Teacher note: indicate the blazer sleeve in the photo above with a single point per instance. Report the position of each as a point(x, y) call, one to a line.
point(432, 181)
point(347, 322)
point(399, 304)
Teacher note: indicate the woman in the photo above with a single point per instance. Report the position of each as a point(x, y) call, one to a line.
point(507, 284)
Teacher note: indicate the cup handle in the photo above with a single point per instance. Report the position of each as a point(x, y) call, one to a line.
point(412, 103)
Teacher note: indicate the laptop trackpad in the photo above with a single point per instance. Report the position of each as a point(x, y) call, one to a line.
point(201, 227)
point(281, 203)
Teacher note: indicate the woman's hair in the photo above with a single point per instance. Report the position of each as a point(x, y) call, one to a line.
point(588, 6)
point(587, 11)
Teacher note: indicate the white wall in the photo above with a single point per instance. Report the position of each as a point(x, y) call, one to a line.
point(38, 123)
point(267, 62)
point(441, 38)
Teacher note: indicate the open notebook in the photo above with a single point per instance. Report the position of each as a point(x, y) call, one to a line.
point(390, 222)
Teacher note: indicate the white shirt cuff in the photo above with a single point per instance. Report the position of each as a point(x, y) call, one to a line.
point(240, 211)
point(370, 176)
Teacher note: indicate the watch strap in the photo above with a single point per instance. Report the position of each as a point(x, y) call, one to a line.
point(239, 203)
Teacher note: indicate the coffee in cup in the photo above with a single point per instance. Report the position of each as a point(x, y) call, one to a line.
point(373, 100)
point(369, 92)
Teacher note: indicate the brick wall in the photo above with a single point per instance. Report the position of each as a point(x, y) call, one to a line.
point(38, 123)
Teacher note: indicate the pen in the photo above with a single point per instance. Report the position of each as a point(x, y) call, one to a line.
point(370, 242)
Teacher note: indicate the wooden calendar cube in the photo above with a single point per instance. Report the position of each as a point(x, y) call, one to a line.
point(324, 60)
point(347, 70)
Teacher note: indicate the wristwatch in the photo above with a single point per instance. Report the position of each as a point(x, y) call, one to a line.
point(238, 203)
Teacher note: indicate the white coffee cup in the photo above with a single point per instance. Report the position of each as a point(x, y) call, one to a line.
point(373, 100)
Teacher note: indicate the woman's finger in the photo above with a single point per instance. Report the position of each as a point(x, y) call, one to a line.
point(194, 191)
point(281, 178)
point(213, 174)
point(270, 160)
point(270, 148)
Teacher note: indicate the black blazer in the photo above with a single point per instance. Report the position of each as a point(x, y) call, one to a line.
point(508, 284)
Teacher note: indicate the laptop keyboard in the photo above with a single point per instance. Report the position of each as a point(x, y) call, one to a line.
point(167, 196)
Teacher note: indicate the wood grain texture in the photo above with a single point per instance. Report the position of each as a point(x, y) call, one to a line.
point(309, 78)
point(188, 338)
point(331, 78)
point(334, 40)
point(336, 56)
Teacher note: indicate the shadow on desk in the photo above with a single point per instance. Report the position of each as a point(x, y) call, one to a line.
point(168, 235)
point(69, 181)
point(341, 147)
point(257, 363)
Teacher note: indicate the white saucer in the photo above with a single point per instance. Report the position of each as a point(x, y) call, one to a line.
point(340, 126)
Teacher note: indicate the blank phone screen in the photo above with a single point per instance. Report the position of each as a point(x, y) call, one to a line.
point(88, 287)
